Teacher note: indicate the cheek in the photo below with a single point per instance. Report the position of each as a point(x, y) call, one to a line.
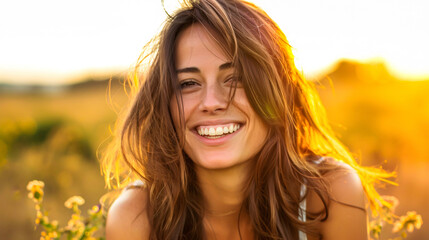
point(240, 100)
point(259, 129)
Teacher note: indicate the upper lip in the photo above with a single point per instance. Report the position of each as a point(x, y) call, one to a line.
point(214, 122)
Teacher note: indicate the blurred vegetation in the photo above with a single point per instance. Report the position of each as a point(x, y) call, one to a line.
point(53, 134)
point(385, 122)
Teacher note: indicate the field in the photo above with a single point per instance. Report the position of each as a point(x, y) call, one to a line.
point(53, 135)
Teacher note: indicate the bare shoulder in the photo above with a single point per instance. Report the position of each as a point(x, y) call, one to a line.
point(128, 216)
point(347, 217)
point(345, 186)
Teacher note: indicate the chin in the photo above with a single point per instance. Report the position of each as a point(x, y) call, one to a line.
point(218, 161)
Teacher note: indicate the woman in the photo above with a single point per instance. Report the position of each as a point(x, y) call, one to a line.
point(229, 141)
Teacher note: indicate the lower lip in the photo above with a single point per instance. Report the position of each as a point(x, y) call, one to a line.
point(217, 141)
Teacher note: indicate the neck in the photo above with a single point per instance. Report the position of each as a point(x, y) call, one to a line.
point(223, 195)
point(223, 189)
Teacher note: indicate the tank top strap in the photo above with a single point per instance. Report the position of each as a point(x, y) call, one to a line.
point(302, 211)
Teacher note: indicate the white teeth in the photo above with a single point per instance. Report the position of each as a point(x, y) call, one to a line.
point(217, 131)
point(212, 132)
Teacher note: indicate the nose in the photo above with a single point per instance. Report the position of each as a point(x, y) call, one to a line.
point(214, 99)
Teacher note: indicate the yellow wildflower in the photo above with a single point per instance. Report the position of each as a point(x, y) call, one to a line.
point(71, 223)
point(410, 227)
point(45, 219)
point(36, 190)
point(54, 223)
point(39, 214)
point(75, 217)
point(35, 184)
point(419, 221)
point(53, 234)
point(392, 200)
point(75, 222)
point(375, 229)
point(78, 200)
point(95, 209)
point(409, 222)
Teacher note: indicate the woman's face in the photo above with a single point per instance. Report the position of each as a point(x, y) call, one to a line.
point(217, 136)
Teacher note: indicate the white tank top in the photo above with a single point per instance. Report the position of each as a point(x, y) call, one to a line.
point(302, 212)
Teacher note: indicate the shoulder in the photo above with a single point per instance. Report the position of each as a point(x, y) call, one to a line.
point(127, 218)
point(347, 217)
point(344, 185)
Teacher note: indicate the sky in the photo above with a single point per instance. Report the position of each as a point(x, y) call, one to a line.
point(60, 41)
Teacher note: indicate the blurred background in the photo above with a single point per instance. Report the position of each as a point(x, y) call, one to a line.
point(367, 58)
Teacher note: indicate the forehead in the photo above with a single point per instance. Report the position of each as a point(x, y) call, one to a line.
point(196, 45)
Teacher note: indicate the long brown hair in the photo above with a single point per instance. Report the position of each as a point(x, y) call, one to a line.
point(148, 147)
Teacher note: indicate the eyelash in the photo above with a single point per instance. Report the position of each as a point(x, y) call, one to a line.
point(187, 83)
point(233, 80)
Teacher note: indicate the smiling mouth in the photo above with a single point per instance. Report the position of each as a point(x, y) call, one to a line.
point(217, 131)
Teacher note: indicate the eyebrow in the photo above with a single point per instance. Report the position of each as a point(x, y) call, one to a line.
point(224, 66)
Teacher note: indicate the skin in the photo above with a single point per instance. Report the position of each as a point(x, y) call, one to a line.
point(221, 165)
point(344, 222)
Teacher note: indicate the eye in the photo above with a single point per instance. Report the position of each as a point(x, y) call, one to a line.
point(232, 81)
point(188, 83)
